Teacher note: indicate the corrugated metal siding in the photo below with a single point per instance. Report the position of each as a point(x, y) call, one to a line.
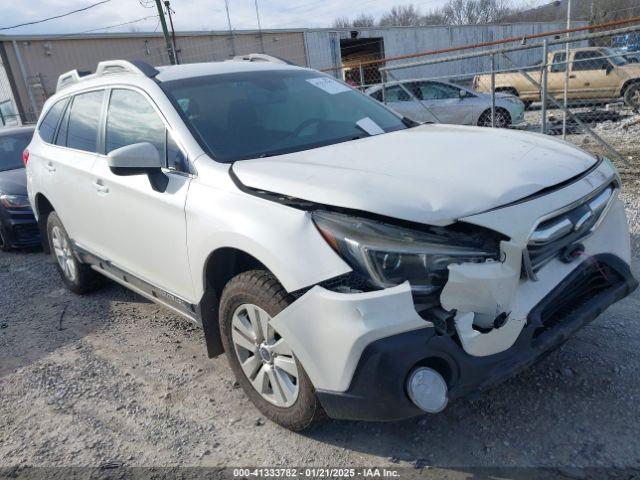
point(323, 49)
point(45, 60)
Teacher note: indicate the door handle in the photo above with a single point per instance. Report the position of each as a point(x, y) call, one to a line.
point(100, 188)
point(572, 76)
point(50, 167)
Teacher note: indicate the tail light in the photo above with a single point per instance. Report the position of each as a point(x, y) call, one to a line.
point(25, 156)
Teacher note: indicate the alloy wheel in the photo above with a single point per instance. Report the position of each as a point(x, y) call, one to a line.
point(264, 356)
point(63, 253)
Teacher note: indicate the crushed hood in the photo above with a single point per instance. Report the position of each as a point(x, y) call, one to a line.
point(432, 174)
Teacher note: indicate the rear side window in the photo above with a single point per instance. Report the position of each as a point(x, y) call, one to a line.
point(82, 131)
point(131, 119)
point(47, 128)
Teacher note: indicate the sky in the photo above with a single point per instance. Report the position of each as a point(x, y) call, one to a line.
point(192, 14)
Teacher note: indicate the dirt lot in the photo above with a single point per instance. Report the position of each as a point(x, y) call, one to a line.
point(110, 379)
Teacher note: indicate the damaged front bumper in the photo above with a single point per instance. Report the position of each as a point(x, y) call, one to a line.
point(359, 349)
point(378, 392)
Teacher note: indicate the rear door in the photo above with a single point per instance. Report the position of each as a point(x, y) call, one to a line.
point(68, 160)
point(142, 231)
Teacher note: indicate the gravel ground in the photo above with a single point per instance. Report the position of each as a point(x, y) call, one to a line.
point(110, 379)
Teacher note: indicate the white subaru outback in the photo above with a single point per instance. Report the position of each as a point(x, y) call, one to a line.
point(348, 261)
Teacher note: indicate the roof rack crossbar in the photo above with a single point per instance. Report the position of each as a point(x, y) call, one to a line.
point(107, 67)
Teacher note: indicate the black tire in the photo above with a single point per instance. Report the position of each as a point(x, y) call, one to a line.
point(503, 118)
point(260, 288)
point(4, 243)
point(632, 96)
point(527, 104)
point(84, 279)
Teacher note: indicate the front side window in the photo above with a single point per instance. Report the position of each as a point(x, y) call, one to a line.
point(11, 148)
point(48, 125)
point(258, 114)
point(84, 119)
point(131, 119)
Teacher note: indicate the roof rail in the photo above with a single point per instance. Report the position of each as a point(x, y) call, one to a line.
point(107, 67)
point(261, 57)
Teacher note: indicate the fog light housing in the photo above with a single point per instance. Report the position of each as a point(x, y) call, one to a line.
point(427, 390)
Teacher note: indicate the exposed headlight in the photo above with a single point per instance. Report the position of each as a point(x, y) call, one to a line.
point(389, 255)
point(14, 201)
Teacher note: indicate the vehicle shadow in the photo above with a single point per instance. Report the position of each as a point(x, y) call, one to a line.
point(39, 315)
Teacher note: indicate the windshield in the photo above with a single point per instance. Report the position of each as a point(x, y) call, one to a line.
point(258, 114)
point(11, 148)
point(615, 57)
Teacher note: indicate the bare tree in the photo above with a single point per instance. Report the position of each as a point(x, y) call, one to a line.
point(402, 16)
point(473, 12)
point(342, 22)
point(364, 20)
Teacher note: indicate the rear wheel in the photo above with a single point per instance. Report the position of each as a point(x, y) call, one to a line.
point(77, 276)
point(503, 119)
point(263, 362)
point(632, 96)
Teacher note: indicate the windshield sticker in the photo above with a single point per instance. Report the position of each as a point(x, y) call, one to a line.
point(369, 126)
point(329, 85)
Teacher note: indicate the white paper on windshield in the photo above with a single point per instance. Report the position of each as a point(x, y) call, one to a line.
point(369, 126)
point(329, 85)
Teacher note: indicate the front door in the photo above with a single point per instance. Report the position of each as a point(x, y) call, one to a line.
point(143, 231)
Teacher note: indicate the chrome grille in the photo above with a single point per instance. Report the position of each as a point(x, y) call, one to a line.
point(566, 227)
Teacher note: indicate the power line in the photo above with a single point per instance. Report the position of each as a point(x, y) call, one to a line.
point(57, 16)
point(107, 27)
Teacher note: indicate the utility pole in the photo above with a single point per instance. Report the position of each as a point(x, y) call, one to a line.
point(173, 32)
point(233, 45)
point(167, 39)
point(259, 27)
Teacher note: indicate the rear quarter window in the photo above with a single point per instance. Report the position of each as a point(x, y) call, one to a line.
point(49, 123)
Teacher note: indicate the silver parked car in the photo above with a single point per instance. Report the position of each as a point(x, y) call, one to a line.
point(432, 101)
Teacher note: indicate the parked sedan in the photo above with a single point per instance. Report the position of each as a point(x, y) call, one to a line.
point(432, 101)
point(18, 227)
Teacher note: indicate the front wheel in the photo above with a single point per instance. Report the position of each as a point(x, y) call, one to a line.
point(632, 96)
point(502, 120)
point(77, 276)
point(262, 361)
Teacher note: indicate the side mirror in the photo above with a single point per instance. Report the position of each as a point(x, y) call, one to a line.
point(608, 68)
point(139, 159)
